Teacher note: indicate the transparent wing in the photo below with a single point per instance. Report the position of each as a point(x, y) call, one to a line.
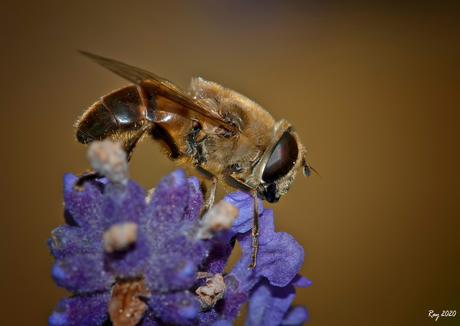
point(158, 85)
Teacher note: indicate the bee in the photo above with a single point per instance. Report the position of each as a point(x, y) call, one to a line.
point(212, 132)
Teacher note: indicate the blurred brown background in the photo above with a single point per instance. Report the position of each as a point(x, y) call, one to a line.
point(371, 87)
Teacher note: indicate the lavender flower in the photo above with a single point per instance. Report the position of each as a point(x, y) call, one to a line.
point(270, 285)
point(131, 260)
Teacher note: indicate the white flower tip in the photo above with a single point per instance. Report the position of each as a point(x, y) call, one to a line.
point(219, 217)
point(119, 236)
point(109, 158)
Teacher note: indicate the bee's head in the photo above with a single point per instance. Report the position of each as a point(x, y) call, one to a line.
point(279, 164)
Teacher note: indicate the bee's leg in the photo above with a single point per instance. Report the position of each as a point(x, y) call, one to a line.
point(131, 143)
point(255, 230)
point(84, 178)
point(206, 175)
point(238, 184)
point(212, 193)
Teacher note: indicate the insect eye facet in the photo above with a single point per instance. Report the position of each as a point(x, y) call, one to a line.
point(282, 159)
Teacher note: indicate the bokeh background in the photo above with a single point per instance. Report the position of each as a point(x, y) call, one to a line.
point(372, 88)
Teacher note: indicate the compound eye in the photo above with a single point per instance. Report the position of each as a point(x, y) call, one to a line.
point(282, 158)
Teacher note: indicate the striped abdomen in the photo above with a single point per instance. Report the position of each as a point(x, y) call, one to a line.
point(120, 111)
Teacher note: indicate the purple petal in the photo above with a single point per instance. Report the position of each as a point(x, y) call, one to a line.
point(130, 262)
point(170, 272)
point(177, 308)
point(234, 297)
point(208, 317)
point(84, 206)
point(68, 240)
point(267, 227)
point(279, 260)
point(182, 241)
point(245, 204)
point(295, 316)
point(195, 200)
point(86, 310)
point(300, 281)
point(167, 206)
point(217, 258)
point(268, 304)
point(81, 274)
point(124, 204)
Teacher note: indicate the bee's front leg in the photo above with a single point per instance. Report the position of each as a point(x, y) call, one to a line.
point(212, 193)
point(255, 230)
point(131, 143)
point(238, 184)
point(83, 178)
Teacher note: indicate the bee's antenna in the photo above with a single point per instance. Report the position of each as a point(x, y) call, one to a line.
point(315, 172)
point(307, 170)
